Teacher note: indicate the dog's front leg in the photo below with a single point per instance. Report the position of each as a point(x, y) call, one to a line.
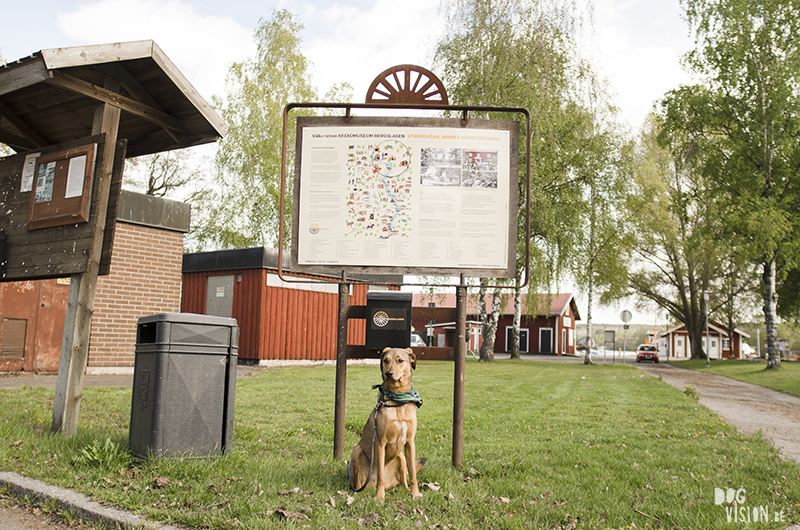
point(380, 471)
point(411, 462)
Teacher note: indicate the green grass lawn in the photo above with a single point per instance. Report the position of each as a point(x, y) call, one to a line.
point(786, 379)
point(547, 445)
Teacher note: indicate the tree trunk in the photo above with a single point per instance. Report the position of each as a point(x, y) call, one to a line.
point(516, 324)
point(770, 313)
point(490, 328)
point(587, 358)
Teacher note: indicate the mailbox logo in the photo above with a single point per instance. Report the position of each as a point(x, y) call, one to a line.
point(380, 318)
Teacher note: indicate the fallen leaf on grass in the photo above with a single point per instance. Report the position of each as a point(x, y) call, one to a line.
point(433, 486)
point(292, 516)
point(18, 443)
point(505, 500)
point(160, 482)
point(370, 519)
point(293, 491)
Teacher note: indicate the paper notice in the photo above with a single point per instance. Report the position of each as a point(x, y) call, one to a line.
point(75, 175)
point(28, 172)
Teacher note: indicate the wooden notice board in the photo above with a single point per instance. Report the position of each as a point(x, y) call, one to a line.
point(61, 187)
point(59, 245)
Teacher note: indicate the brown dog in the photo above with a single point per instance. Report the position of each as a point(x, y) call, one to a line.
point(386, 454)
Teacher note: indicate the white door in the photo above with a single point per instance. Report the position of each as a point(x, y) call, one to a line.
point(680, 346)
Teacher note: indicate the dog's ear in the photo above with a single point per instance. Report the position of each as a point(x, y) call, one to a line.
point(412, 358)
point(387, 348)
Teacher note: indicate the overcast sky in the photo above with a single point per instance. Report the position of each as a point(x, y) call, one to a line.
point(635, 44)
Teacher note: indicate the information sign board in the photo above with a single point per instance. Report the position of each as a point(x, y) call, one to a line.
point(407, 195)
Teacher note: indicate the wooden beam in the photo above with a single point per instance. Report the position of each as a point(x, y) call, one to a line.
point(75, 345)
point(79, 86)
point(18, 76)
point(138, 92)
point(17, 143)
point(97, 54)
point(30, 133)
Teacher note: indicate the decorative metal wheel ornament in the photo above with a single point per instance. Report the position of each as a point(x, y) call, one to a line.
point(407, 84)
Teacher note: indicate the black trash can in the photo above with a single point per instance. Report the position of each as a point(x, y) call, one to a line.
point(184, 385)
point(388, 320)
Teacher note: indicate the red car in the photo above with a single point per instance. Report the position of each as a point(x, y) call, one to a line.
point(646, 352)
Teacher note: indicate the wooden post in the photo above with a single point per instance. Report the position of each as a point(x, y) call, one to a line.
point(460, 355)
point(75, 343)
point(66, 350)
point(341, 372)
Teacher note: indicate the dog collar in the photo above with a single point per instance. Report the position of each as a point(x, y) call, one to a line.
point(401, 398)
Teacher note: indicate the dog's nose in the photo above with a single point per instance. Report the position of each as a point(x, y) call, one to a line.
point(389, 373)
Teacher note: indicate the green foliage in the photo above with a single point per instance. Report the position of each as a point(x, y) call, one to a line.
point(741, 129)
point(105, 455)
point(515, 53)
point(691, 391)
point(243, 209)
point(545, 445)
point(678, 251)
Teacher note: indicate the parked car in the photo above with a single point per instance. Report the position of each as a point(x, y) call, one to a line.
point(646, 352)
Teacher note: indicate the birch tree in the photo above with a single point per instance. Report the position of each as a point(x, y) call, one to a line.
point(243, 209)
point(743, 124)
point(519, 53)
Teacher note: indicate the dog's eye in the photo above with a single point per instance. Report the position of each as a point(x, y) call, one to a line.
point(399, 361)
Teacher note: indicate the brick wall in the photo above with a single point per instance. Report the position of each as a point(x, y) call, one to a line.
point(145, 279)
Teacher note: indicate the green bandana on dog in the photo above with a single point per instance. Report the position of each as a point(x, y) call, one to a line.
point(402, 398)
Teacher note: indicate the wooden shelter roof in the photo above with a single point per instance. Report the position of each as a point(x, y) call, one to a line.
point(50, 98)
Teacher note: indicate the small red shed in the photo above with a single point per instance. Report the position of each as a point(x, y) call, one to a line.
point(277, 320)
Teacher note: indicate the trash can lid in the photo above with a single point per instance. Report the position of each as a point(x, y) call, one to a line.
point(189, 318)
point(397, 296)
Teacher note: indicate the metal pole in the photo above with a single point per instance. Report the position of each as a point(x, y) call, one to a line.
point(341, 372)
point(460, 353)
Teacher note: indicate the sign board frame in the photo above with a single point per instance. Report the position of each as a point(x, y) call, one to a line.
point(61, 187)
point(339, 160)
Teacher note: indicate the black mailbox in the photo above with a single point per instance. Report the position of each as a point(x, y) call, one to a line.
point(388, 320)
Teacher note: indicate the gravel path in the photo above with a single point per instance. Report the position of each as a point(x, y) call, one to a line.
point(746, 406)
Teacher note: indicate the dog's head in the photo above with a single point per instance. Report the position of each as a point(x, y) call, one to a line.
point(396, 366)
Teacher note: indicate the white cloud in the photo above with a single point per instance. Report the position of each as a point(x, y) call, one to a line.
point(360, 44)
point(201, 45)
point(637, 45)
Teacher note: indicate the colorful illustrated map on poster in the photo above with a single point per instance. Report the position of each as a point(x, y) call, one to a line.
point(378, 190)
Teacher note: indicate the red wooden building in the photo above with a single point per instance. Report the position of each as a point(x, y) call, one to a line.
point(547, 325)
point(277, 319)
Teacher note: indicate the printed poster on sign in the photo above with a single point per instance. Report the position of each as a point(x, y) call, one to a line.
point(409, 197)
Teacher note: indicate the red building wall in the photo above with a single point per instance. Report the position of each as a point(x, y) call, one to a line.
point(278, 322)
point(145, 279)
